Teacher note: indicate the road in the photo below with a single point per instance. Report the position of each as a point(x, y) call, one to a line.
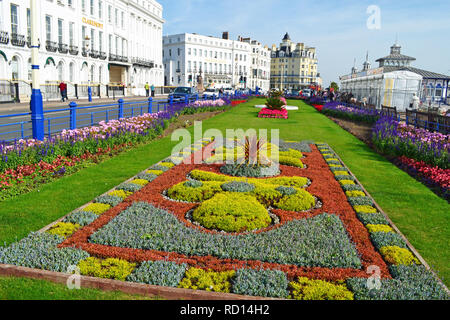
point(20, 126)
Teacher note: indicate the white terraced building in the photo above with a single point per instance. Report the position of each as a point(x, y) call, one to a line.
point(114, 44)
point(222, 63)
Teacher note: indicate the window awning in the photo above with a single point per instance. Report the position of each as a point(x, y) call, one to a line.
point(50, 60)
point(4, 55)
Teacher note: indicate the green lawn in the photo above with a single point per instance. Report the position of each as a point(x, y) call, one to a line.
point(419, 213)
point(30, 289)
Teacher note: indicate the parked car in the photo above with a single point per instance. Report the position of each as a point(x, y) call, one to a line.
point(306, 93)
point(228, 91)
point(180, 93)
point(211, 92)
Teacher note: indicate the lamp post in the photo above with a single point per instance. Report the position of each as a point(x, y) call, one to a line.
point(36, 104)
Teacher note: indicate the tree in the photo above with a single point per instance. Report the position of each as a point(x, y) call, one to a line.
point(335, 86)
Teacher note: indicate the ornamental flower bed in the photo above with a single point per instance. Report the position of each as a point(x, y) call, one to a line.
point(276, 107)
point(268, 113)
point(25, 164)
point(395, 139)
point(334, 109)
point(311, 232)
point(434, 177)
point(237, 102)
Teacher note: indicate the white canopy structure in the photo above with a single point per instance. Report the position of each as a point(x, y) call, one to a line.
point(391, 89)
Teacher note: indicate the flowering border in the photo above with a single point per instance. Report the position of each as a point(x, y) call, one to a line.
point(153, 194)
point(328, 186)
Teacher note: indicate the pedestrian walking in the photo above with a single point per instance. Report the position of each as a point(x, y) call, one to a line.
point(63, 90)
point(147, 89)
point(153, 91)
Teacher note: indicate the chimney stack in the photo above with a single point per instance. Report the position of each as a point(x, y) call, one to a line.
point(225, 35)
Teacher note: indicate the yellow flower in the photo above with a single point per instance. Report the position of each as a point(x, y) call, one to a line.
point(307, 289)
point(97, 208)
point(140, 182)
point(155, 172)
point(396, 255)
point(365, 209)
point(379, 228)
point(355, 193)
point(63, 229)
point(341, 173)
point(120, 193)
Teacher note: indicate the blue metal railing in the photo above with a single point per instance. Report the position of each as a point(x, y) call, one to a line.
point(434, 126)
point(75, 117)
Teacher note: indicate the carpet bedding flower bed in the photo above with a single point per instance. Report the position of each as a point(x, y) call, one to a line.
point(26, 164)
point(309, 232)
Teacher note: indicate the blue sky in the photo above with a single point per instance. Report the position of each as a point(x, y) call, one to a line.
point(338, 29)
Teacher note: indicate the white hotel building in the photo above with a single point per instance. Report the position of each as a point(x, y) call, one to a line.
point(222, 63)
point(105, 43)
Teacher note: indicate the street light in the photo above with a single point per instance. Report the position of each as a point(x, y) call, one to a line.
point(36, 104)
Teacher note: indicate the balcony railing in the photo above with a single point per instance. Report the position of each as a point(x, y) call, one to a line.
point(63, 48)
point(17, 40)
point(4, 37)
point(29, 42)
point(113, 57)
point(123, 58)
point(73, 50)
point(102, 55)
point(84, 52)
point(51, 46)
point(142, 62)
point(94, 54)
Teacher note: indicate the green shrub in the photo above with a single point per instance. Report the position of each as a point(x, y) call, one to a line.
point(261, 283)
point(232, 212)
point(238, 186)
point(193, 184)
point(159, 167)
point(360, 201)
point(286, 191)
point(396, 255)
point(345, 177)
point(147, 176)
point(83, 218)
point(306, 289)
point(289, 161)
point(198, 279)
point(275, 103)
point(129, 187)
point(387, 239)
point(108, 199)
point(199, 194)
point(379, 228)
point(64, 229)
point(97, 208)
point(108, 269)
point(245, 170)
point(405, 285)
point(158, 273)
point(351, 187)
point(120, 193)
point(355, 193)
point(372, 218)
point(301, 201)
point(140, 182)
point(364, 209)
point(291, 153)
